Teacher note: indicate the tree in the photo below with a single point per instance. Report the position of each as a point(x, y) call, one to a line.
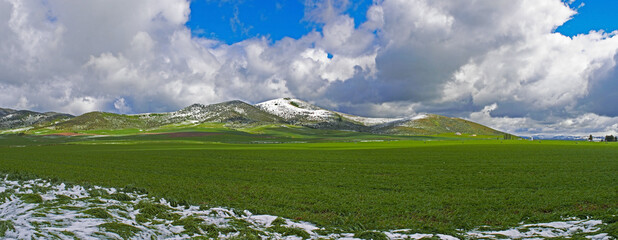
point(590, 138)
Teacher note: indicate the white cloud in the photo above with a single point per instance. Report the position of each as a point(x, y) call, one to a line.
point(84, 104)
point(121, 105)
point(579, 125)
point(551, 71)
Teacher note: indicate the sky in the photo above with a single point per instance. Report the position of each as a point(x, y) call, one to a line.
point(527, 67)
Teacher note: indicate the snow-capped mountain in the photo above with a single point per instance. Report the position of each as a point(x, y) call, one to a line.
point(10, 118)
point(563, 137)
point(303, 112)
point(296, 110)
point(232, 111)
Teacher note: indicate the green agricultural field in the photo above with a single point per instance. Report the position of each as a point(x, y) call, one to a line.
point(431, 184)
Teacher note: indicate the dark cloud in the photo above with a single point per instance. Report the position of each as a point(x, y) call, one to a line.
point(603, 94)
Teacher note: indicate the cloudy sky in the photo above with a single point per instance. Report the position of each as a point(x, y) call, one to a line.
point(523, 66)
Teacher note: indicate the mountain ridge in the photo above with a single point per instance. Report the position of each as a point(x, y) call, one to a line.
point(10, 118)
point(239, 114)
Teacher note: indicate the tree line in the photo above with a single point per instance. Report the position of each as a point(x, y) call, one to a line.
point(608, 138)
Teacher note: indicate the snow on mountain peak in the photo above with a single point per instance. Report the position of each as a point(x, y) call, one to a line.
point(289, 108)
point(295, 109)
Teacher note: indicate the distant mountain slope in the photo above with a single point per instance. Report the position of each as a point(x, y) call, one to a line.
point(5, 111)
point(103, 120)
point(434, 124)
point(10, 118)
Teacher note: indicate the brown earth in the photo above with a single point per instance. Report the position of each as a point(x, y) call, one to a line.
point(67, 134)
point(186, 134)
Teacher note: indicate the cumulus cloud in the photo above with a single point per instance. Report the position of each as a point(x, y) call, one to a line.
point(496, 62)
point(579, 125)
point(551, 72)
point(121, 106)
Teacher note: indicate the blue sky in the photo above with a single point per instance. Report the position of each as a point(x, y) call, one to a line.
point(234, 21)
point(592, 15)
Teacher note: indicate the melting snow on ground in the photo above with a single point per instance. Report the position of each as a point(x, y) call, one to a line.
point(370, 121)
point(39, 209)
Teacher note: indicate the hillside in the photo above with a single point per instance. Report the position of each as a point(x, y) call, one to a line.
point(305, 114)
point(238, 114)
point(11, 119)
point(103, 120)
point(430, 124)
point(232, 112)
point(226, 112)
point(302, 113)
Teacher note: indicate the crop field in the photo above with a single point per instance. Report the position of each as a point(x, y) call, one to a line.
point(427, 185)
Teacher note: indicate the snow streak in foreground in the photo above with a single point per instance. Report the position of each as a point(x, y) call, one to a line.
point(38, 209)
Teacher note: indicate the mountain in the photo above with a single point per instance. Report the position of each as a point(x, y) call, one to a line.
point(104, 120)
point(305, 114)
point(238, 114)
point(232, 112)
point(302, 113)
point(563, 137)
point(10, 119)
point(226, 112)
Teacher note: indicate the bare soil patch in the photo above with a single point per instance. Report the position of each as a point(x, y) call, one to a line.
point(68, 134)
point(186, 134)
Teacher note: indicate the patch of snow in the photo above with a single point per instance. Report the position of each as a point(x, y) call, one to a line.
point(239, 110)
point(15, 130)
point(600, 236)
point(418, 117)
point(446, 237)
point(261, 220)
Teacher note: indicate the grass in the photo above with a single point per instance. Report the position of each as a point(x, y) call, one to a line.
point(121, 197)
point(32, 198)
point(149, 211)
point(123, 230)
point(289, 231)
point(98, 213)
point(429, 186)
point(371, 235)
point(6, 225)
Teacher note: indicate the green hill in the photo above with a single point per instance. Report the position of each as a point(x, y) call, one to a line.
point(103, 120)
point(433, 124)
point(233, 112)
